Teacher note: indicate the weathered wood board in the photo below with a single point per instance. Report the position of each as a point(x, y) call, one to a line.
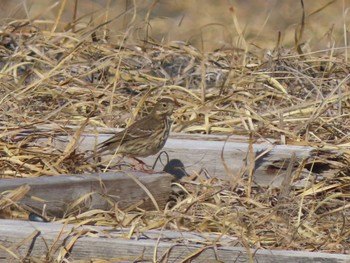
point(21, 239)
point(58, 193)
point(198, 152)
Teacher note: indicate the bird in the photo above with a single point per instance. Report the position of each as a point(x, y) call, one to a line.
point(144, 137)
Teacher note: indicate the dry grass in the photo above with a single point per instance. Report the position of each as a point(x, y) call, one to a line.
point(55, 78)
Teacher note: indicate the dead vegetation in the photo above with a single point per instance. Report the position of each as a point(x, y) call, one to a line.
point(57, 79)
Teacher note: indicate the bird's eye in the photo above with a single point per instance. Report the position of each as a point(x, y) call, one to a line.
point(164, 105)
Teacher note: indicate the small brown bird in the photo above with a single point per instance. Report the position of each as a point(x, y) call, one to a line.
point(144, 137)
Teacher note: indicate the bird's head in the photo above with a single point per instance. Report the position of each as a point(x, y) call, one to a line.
point(163, 107)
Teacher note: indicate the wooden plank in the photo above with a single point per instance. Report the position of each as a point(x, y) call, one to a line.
point(198, 152)
point(33, 239)
point(58, 193)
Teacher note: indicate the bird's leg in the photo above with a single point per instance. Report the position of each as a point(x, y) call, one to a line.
point(141, 165)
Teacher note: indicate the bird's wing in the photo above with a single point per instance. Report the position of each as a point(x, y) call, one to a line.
point(139, 129)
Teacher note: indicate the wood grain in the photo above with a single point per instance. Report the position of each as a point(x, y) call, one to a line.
point(58, 193)
point(39, 240)
point(203, 152)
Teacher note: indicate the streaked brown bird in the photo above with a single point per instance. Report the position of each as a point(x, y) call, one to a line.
point(144, 137)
